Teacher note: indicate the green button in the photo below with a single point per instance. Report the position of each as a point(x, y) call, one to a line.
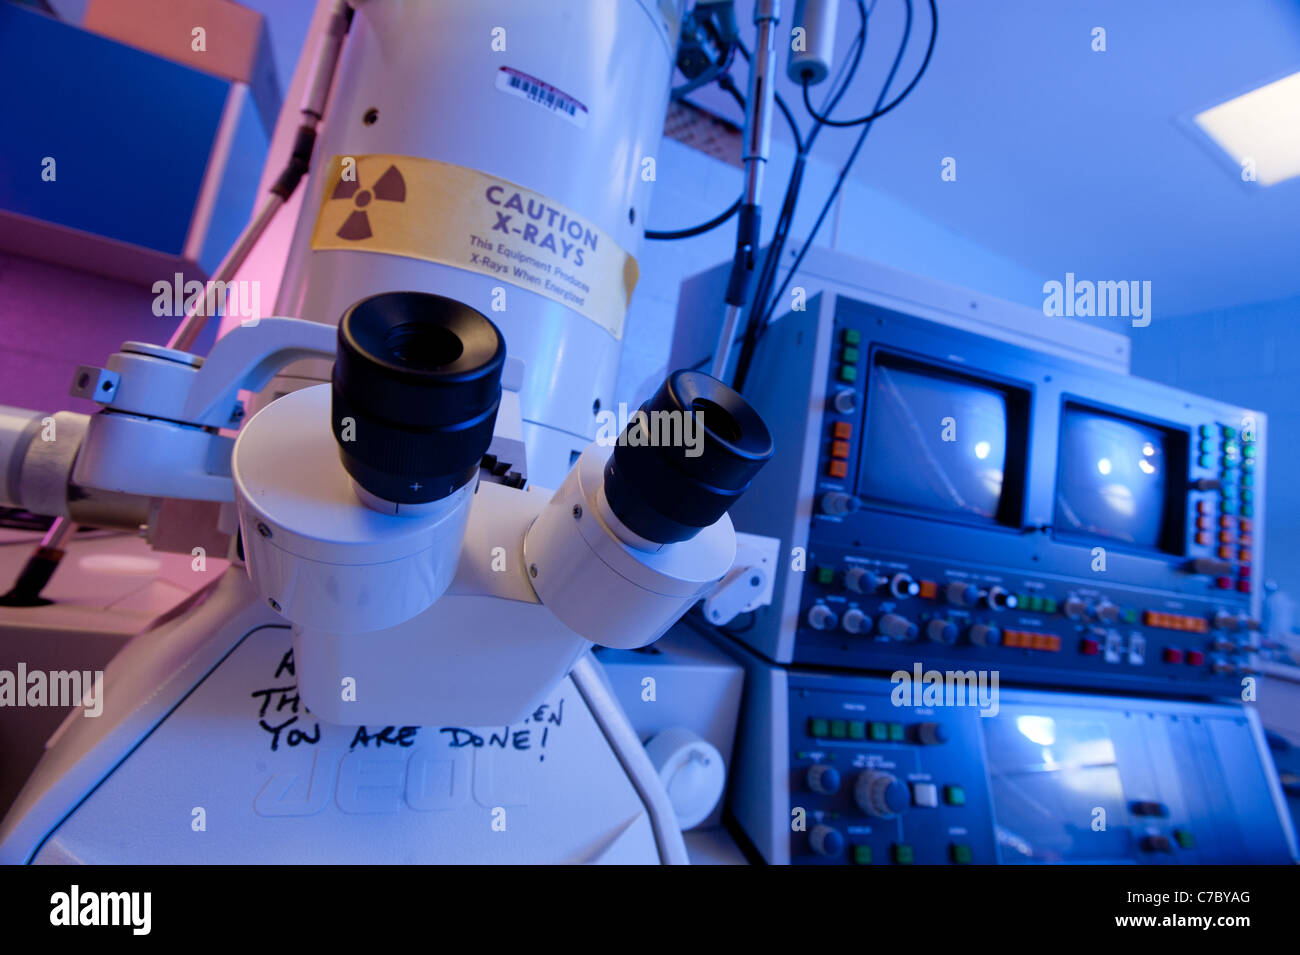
point(903, 854)
point(1247, 511)
point(1184, 838)
point(1205, 431)
point(954, 795)
point(1247, 495)
point(839, 729)
point(1049, 604)
point(818, 728)
point(1250, 451)
point(850, 356)
point(862, 855)
point(1229, 432)
point(897, 733)
point(1207, 447)
point(1205, 461)
point(879, 732)
point(1248, 480)
point(852, 336)
point(1130, 615)
point(857, 729)
point(1229, 509)
point(1248, 465)
point(848, 373)
point(1230, 449)
point(960, 854)
point(826, 575)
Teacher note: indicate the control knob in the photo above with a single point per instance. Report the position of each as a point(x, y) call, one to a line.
point(1223, 620)
point(845, 401)
point(822, 617)
point(931, 734)
point(902, 585)
point(941, 631)
point(1074, 607)
point(826, 841)
point(895, 627)
point(838, 503)
point(962, 594)
point(855, 621)
point(998, 599)
point(1106, 610)
point(880, 794)
point(985, 635)
point(861, 581)
point(823, 779)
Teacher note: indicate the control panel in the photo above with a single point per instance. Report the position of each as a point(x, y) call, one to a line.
point(861, 770)
point(956, 499)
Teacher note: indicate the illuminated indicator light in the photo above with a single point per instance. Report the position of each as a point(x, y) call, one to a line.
point(842, 430)
point(1184, 839)
point(839, 729)
point(1049, 605)
point(848, 373)
point(879, 732)
point(929, 590)
point(852, 336)
point(838, 469)
point(954, 795)
point(961, 854)
point(1250, 451)
point(840, 449)
point(897, 732)
point(862, 855)
point(850, 356)
point(857, 729)
point(903, 854)
point(825, 575)
point(818, 728)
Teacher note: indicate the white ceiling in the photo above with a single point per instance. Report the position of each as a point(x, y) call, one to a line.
point(1075, 160)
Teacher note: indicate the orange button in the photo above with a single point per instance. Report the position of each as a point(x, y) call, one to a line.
point(1225, 537)
point(1225, 553)
point(1202, 523)
point(839, 449)
point(1202, 507)
point(1245, 525)
point(1225, 521)
point(1246, 540)
point(929, 590)
point(1203, 540)
point(838, 469)
point(1244, 555)
point(1013, 638)
point(842, 429)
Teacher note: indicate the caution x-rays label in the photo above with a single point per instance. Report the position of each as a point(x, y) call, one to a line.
point(439, 212)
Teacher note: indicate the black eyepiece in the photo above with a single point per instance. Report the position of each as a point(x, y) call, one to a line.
point(684, 458)
point(417, 383)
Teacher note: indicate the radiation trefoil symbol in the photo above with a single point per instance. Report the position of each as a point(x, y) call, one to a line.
point(390, 187)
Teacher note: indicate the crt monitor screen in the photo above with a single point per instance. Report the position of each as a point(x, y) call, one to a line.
point(1117, 479)
point(942, 442)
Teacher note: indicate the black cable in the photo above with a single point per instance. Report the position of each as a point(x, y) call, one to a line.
point(878, 110)
point(695, 230)
point(844, 171)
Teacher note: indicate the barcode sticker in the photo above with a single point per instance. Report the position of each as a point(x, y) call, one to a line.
point(527, 87)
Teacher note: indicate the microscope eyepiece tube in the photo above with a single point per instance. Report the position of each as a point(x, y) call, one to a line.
point(416, 387)
point(684, 458)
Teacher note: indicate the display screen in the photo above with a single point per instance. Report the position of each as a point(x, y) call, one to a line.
point(1117, 479)
point(938, 441)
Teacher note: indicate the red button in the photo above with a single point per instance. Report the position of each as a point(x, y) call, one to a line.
point(1243, 586)
point(1089, 647)
point(1224, 583)
point(1195, 657)
point(1173, 655)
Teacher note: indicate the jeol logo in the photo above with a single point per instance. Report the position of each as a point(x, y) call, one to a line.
point(103, 908)
point(658, 429)
point(178, 298)
point(61, 688)
point(949, 688)
point(1085, 299)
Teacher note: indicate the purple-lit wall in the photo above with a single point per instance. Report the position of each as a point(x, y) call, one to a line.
point(53, 319)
